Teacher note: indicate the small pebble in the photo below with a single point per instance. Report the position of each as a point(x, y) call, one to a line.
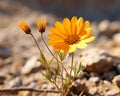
point(94, 79)
point(31, 64)
point(16, 82)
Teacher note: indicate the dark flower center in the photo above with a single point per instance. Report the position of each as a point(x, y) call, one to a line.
point(72, 39)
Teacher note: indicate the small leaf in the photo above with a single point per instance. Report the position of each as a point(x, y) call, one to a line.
point(75, 72)
point(50, 62)
point(62, 55)
point(43, 74)
point(67, 83)
point(56, 72)
point(79, 68)
point(46, 75)
point(43, 58)
point(41, 61)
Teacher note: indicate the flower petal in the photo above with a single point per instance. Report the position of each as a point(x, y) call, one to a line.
point(73, 25)
point(79, 24)
point(88, 34)
point(81, 45)
point(55, 37)
point(72, 48)
point(54, 42)
point(87, 24)
point(62, 46)
point(60, 28)
point(39, 23)
point(88, 40)
point(67, 25)
point(56, 32)
point(65, 48)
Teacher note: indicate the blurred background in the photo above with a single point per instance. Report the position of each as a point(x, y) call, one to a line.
point(90, 9)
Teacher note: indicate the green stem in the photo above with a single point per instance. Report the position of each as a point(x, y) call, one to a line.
point(62, 76)
point(72, 64)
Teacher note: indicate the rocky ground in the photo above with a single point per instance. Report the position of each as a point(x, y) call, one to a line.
point(19, 54)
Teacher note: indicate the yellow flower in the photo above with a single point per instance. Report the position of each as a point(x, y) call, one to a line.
point(24, 27)
point(41, 25)
point(70, 35)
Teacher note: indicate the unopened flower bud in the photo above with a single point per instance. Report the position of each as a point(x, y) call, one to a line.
point(41, 25)
point(24, 27)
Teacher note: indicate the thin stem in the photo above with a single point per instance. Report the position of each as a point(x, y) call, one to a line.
point(62, 76)
point(52, 53)
point(36, 42)
point(72, 64)
point(57, 87)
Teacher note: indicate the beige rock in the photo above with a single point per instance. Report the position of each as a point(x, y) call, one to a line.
point(16, 82)
point(116, 81)
point(115, 26)
point(115, 51)
point(30, 65)
point(93, 90)
point(94, 79)
point(113, 92)
point(104, 26)
point(116, 38)
point(97, 60)
point(1, 63)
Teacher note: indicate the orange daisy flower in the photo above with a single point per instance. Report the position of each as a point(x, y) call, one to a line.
point(41, 25)
point(24, 27)
point(70, 35)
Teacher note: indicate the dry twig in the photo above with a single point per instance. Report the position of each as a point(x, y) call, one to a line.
point(27, 89)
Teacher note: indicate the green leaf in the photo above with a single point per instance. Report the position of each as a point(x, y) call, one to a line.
point(41, 61)
point(50, 62)
point(46, 75)
point(56, 72)
point(43, 58)
point(67, 83)
point(62, 55)
point(79, 68)
point(75, 72)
